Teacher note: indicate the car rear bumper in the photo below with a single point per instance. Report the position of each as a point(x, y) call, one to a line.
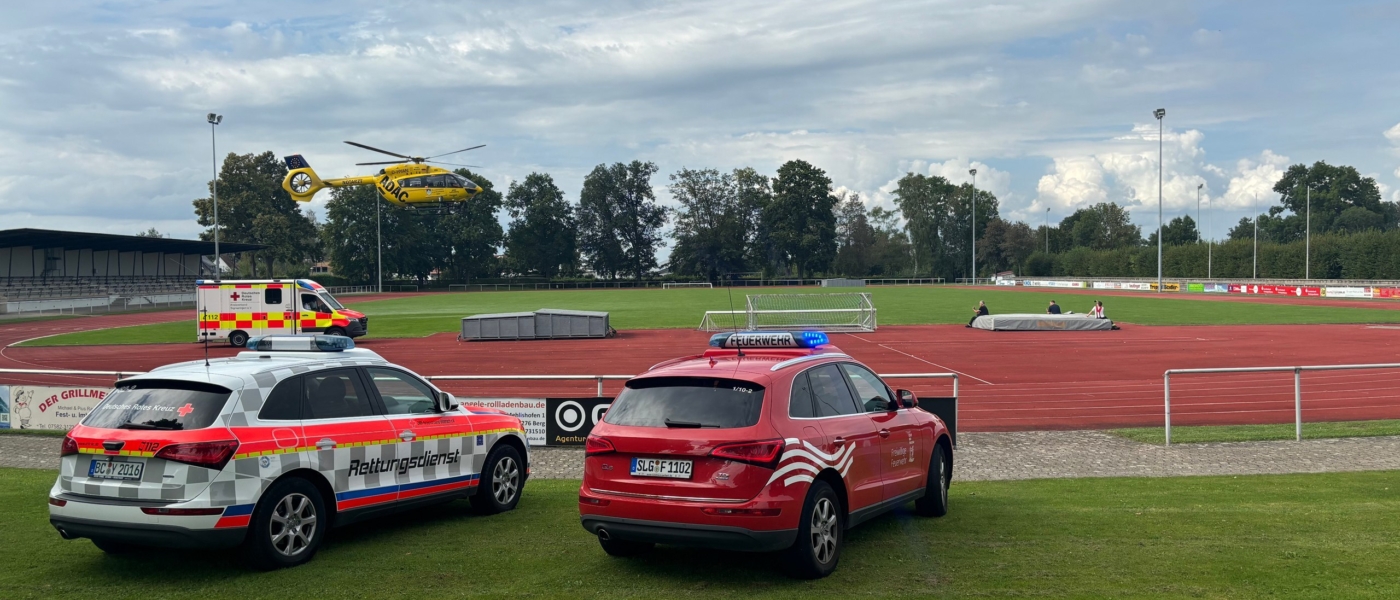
point(165, 536)
point(685, 534)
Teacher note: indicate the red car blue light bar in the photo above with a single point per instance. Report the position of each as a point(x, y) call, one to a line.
point(769, 339)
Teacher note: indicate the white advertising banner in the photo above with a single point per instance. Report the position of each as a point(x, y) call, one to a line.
point(1052, 284)
point(49, 407)
point(1347, 292)
point(4, 407)
point(1006, 282)
point(1122, 285)
point(531, 412)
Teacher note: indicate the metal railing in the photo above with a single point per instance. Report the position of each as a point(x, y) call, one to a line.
point(599, 378)
point(1297, 387)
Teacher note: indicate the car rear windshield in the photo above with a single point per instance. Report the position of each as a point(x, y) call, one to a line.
point(708, 402)
point(159, 404)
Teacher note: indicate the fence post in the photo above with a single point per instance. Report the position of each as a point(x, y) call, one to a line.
point(1167, 393)
point(1298, 403)
point(600, 387)
point(955, 385)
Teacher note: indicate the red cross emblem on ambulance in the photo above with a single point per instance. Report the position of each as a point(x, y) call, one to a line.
point(185, 410)
point(234, 296)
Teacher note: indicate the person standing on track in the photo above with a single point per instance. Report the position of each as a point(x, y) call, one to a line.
point(1054, 309)
point(981, 311)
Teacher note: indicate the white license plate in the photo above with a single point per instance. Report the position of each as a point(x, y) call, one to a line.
point(661, 467)
point(112, 469)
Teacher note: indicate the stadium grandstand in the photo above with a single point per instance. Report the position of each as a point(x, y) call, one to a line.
point(45, 271)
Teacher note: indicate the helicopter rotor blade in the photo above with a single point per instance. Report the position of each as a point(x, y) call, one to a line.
point(462, 150)
point(438, 162)
point(387, 162)
point(359, 145)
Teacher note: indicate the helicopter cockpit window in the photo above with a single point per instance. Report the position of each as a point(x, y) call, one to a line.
point(463, 182)
point(413, 182)
point(440, 181)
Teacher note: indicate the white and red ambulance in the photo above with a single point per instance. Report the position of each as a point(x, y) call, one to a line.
point(235, 311)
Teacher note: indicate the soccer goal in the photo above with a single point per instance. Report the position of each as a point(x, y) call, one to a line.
point(698, 284)
point(824, 312)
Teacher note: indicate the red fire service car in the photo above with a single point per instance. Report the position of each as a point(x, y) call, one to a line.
point(269, 448)
point(768, 441)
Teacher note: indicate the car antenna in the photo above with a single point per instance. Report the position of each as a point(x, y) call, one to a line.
point(729, 287)
point(203, 318)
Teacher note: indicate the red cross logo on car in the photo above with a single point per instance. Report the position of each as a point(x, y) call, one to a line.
point(234, 296)
point(185, 410)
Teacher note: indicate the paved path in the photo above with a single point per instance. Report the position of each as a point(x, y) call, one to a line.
point(1005, 456)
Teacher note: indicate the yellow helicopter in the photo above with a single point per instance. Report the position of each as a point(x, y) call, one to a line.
point(408, 182)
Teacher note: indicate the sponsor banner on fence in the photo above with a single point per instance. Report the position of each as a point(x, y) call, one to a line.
point(1196, 287)
point(48, 407)
point(1006, 282)
point(570, 420)
point(1218, 288)
point(1347, 292)
point(4, 407)
point(532, 413)
point(1170, 287)
point(1052, 283)
point(1141, 286)
point(1278, 290)
point(1385, 293)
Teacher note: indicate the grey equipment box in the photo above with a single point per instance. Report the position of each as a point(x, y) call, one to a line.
point(545, 323)
point(501, 326)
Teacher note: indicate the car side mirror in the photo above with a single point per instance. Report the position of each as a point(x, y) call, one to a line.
point(446, 402)
point(907, 399)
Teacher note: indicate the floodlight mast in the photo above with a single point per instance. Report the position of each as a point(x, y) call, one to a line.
point(1159, 113)
point(973, 172)
point(214, 120)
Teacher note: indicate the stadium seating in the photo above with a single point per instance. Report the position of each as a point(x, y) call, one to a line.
point(55, 288)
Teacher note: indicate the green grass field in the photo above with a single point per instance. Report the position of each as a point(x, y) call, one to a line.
point(414, 316)
point(1255, 433)
point(1295, 536)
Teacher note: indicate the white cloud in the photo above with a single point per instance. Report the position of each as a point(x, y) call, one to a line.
point(1253, 182)
point(1393, 134)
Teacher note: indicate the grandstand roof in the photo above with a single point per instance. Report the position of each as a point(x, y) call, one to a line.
point(47, 238)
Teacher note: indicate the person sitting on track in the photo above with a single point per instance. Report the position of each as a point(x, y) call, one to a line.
point(1097, 311)
point(1054, 309)
point(981, 311)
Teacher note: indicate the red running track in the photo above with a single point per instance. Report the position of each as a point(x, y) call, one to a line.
point(1009, 380)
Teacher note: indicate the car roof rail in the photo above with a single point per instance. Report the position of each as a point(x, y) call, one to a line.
point(802, 359)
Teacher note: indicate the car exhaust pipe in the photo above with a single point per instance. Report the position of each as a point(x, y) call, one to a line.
point(63, 533)
point(603, 534)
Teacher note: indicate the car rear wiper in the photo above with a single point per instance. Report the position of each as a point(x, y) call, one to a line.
point(145, 426)
point(684, 424)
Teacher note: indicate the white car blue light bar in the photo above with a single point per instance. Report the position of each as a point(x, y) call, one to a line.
point(769, 339)
point(300, 343)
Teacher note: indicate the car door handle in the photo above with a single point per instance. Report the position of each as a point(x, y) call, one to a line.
point(325, 444)
point(838, 441)
point(884, 433)
point(407, 435)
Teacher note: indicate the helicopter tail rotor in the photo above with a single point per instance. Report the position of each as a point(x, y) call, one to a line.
point(301, 181)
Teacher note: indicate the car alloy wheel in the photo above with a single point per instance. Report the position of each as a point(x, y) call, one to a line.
point(293, 525)
point(505, 480)
point(824, 524)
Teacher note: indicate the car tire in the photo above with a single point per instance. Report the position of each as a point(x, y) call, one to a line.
point(935, 500)
point(337, 331)
point(820, 535)
point(502, 481)
point(279, 535)
point(113, 546)
point(238, 339)
point(624, 548)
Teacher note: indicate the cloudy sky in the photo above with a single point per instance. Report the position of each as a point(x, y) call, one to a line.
point(102, 104)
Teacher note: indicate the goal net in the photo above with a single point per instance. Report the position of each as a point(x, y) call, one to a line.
point(824, 312)
point(674, 285)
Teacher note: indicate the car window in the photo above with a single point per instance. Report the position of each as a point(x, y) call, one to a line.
point(159, 404)
point(829, 391)
point(284, 403)
point(870, 391)
point(401, 393)
point(273, 296)
point(311, 303)
point(335, 394)
point(800, 403)
point(687, 402)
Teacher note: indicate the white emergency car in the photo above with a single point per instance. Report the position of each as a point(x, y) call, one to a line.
point(271, 447)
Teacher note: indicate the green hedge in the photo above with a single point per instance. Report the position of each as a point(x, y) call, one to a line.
point(1368, 255)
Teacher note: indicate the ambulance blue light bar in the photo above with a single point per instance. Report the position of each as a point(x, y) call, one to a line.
point(300, 343)
point(769, 339)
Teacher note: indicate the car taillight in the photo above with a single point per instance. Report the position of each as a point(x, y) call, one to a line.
point(593, 501)
point(742, 512)
point(181, 512)
point(211, 455)
point(596, 445)
point(70, 446)
point(57, 502)
point(763, 454)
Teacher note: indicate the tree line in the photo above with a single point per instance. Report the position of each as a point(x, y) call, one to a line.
point(743, 223)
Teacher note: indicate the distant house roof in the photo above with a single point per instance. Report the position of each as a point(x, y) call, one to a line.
point(77, 240)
